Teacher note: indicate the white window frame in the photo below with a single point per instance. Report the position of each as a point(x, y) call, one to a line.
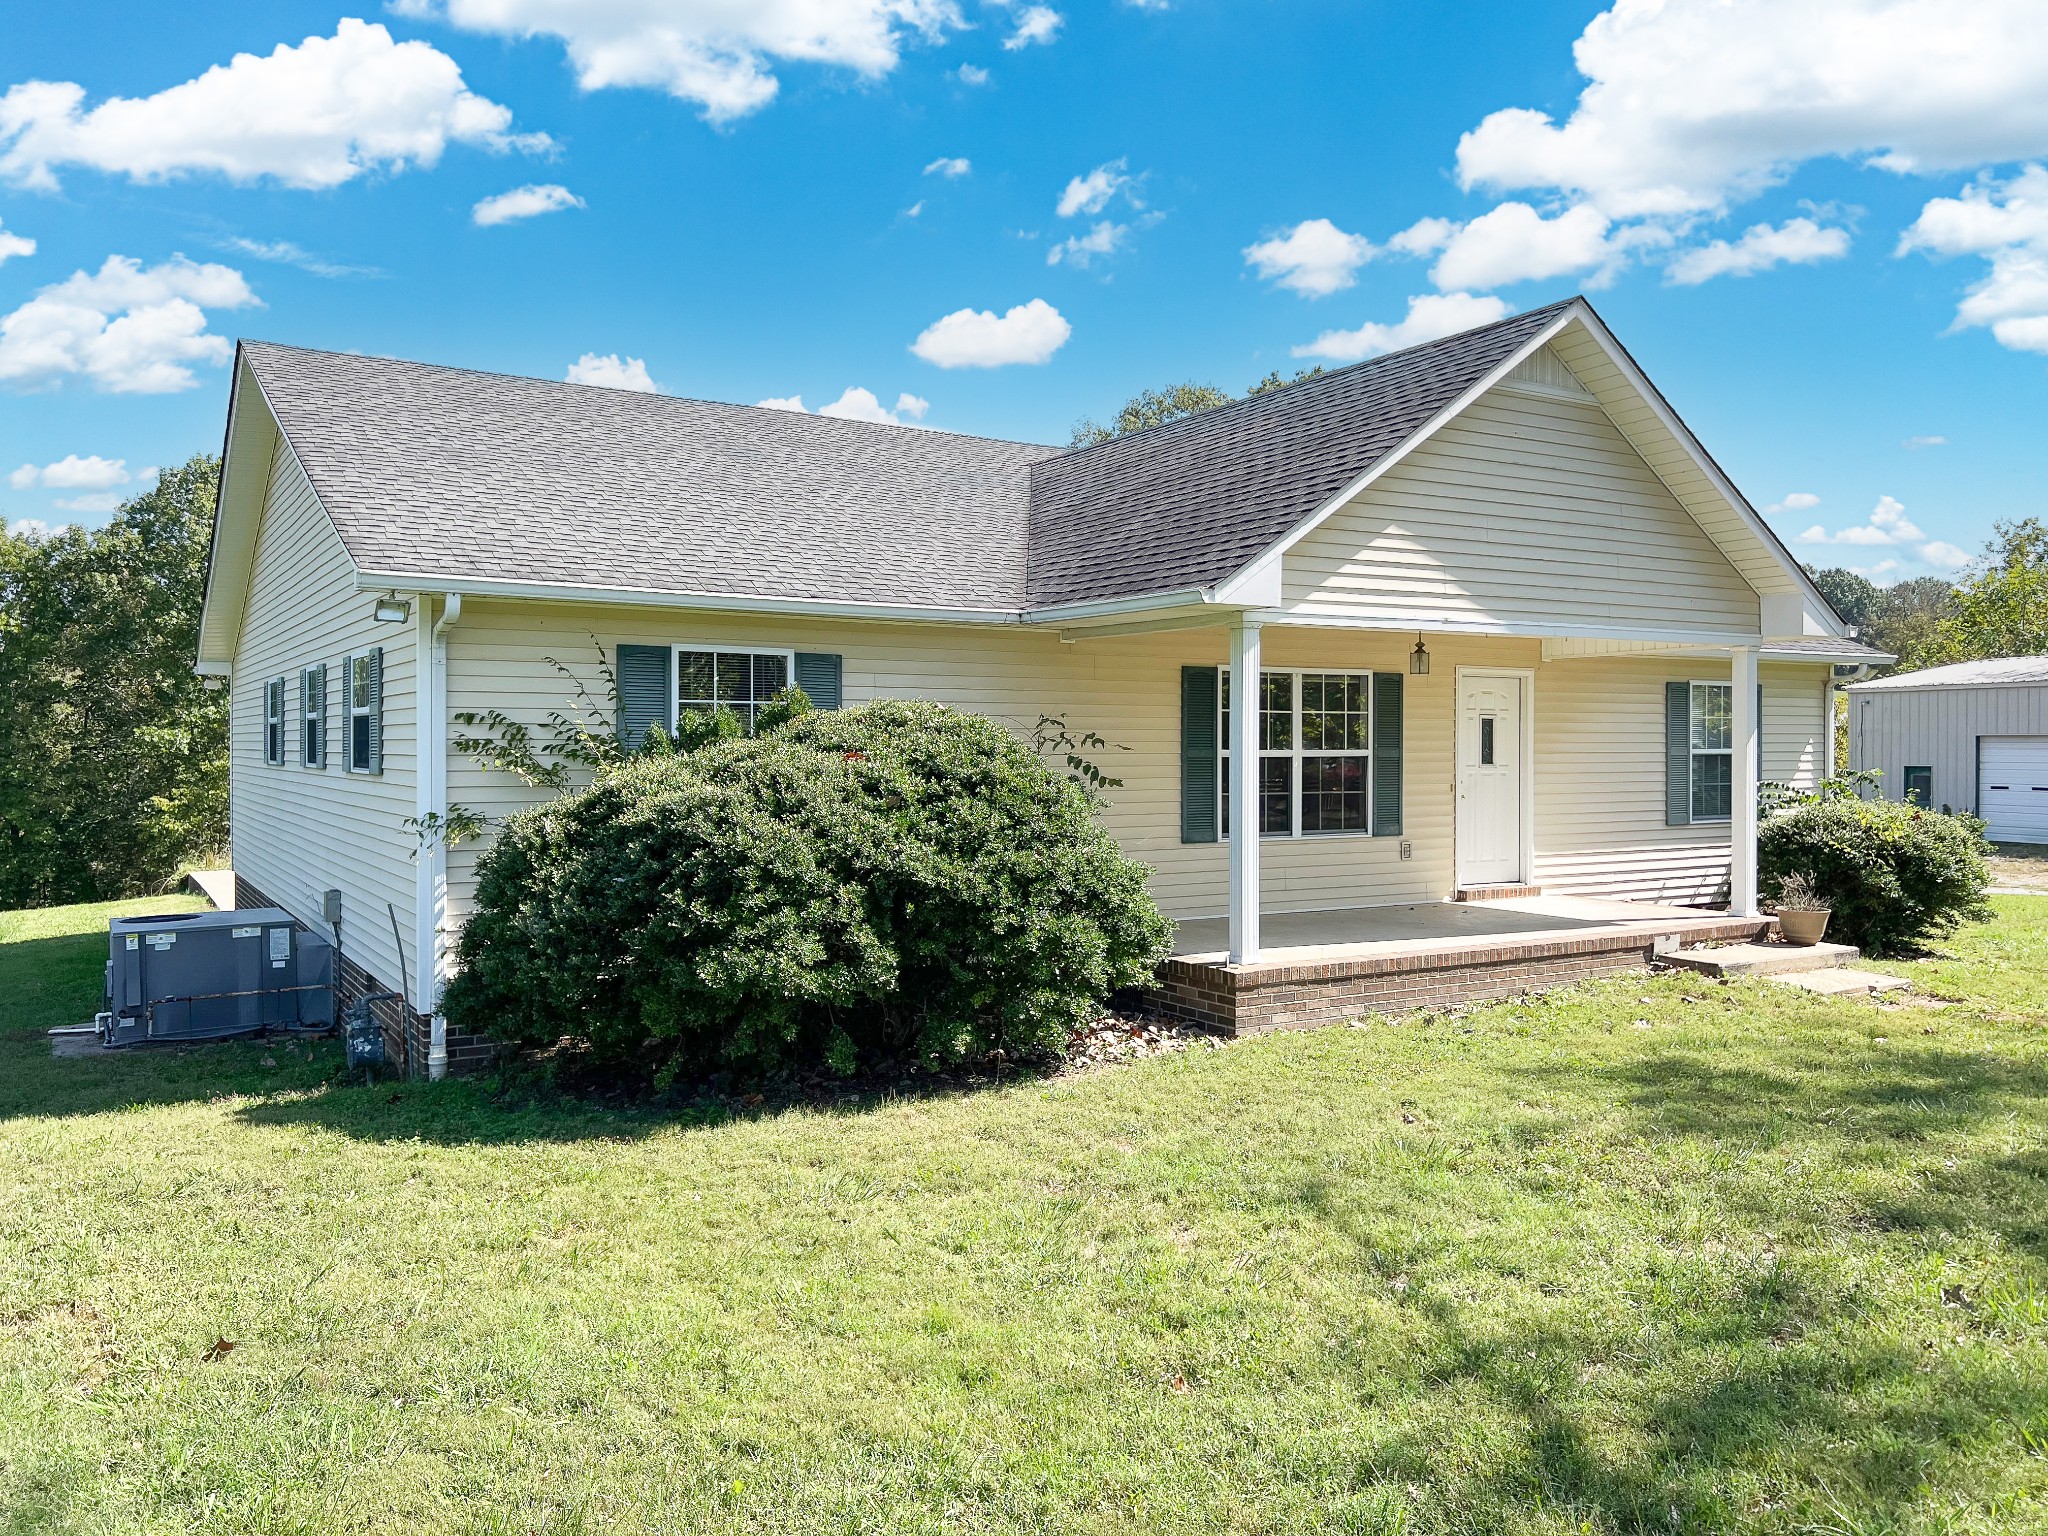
point(1694, 754)
point(273, 722)
point(675, 669)
point(352, 712)
point(1297, 752)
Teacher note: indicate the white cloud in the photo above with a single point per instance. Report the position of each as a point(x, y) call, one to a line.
point(914, 210)
point(980, 338)
point(1692, 104)
point(952, 167)
point(1760, 248)
point(1888, 527)
point(524, 203)
point(1944, 556)
point(291, 254)
point(1091, 193)
point(1514, 243)
point(1315, 258)
point(1797, 501)
point(720, 54)
point(1425, 237)
point(315, 115)
point(1035, 24)
point(2007, 223)
point(610, 371)
point(971, 74)
point(91, 501)
point(15, 245)
point(127, 328)
point(857, 404)
point(1430, 315)
point(72, 473)
point(1934, 441)
point(33, 528)
point(1078, 250)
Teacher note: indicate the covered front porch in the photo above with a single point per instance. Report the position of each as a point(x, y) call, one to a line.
point(1325, 967)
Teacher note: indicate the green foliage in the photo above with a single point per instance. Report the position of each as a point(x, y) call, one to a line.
point(1053, 736)
point(1904, 619)
point(1273, 381)
point(113, 755)
point(1155, 407)
point(1894, 875)
point(2002, 609)
point(895, 881)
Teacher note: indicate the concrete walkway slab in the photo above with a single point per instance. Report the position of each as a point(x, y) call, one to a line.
point(1842, 982)
point(1725, 960)
point(216, 885)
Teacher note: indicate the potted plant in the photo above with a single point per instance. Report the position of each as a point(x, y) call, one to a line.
point(1802, 911)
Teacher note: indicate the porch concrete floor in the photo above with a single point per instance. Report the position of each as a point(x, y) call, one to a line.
point(1442, 927)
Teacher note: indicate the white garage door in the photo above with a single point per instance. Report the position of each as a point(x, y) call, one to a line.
point(2012, 787)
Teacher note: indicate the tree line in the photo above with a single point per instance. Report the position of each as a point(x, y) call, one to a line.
point(113, 755)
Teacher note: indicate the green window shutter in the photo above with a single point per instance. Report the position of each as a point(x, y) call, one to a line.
point(1678, 754)
point(646, 691)
point(819, 674)
point(1198, 754)
point(1388, 707)
point(320, 708)
point(377, 710)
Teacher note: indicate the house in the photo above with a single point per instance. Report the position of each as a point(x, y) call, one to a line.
point(1970, 737)
point(1516, 636)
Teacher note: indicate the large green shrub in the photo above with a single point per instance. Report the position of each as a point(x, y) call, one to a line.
point(895, 881)
point(1893, 874)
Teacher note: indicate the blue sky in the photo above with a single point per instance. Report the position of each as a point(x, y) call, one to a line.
point(1819, 224)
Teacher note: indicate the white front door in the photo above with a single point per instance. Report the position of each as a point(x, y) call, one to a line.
point(1490, 780)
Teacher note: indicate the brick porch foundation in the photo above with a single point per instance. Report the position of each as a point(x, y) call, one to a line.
point(1329, 989)
point(406, 1035)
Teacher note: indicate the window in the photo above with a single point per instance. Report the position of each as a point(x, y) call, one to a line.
point(273, 720)
point(1919, 786)
point(364, 690)
point(1713, 751)
point(738, 680)
point(1315, 741)
point(313, 716)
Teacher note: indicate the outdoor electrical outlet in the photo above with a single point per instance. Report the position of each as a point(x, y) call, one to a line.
point(1407, 850)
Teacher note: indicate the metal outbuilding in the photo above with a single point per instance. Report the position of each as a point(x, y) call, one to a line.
point(1971, 737)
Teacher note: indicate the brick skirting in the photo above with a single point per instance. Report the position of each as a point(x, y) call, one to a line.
point(1245, 999)
point(406, 1033)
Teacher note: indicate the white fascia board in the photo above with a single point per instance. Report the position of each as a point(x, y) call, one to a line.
point(1252, 577)
point(1121, 607)
point(638, 597)
point(1817, 605)
point(236, 522)
point(1719, 640)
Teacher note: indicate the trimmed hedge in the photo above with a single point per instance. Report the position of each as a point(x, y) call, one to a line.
point(1894, 875)
point(894, 881)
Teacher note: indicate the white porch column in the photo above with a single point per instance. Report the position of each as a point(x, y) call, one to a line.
point(1244, 783)
point(1742, 899)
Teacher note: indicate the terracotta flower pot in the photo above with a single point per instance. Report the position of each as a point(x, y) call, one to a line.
point(1803, 927)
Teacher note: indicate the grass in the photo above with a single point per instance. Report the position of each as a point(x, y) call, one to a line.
point(1649, 1256)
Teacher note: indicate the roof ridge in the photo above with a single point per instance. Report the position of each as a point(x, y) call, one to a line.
point(726, 405)
point(1211, 412)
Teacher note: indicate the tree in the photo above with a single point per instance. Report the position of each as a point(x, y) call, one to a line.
point(113, 756)
point(2002, 608)
point(1156, 407)
point(1904, 619)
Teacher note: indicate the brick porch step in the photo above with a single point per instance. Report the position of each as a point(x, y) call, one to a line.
point(1495, 892)
point(1724, 960)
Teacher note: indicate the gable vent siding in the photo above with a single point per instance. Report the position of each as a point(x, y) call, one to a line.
point(646, 687)
point(1543, 369)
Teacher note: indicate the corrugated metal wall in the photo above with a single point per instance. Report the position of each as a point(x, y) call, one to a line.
point(1938, 728)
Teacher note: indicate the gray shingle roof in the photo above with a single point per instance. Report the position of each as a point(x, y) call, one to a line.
point(1194, 501)
point(1823, 649)
point(445, 472)
point(1964, 674)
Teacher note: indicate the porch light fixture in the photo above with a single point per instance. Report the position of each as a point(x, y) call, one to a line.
point(1418, 659)
point(393, 610)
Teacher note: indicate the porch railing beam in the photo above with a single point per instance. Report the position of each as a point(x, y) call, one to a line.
point(1742, 874)
point(1244, 790)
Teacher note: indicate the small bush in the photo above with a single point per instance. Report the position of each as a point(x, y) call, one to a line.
point(1893, 874)
point(895, 881)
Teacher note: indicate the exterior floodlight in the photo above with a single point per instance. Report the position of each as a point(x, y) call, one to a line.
point(393, 610)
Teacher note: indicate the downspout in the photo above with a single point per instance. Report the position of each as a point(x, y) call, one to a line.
point(432, 796)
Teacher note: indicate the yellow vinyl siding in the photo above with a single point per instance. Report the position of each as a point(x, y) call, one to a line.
point(1797, 717)
point(1529, 511)
point(300, 831)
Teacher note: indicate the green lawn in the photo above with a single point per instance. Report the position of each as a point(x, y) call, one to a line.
point(1650, 1256)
